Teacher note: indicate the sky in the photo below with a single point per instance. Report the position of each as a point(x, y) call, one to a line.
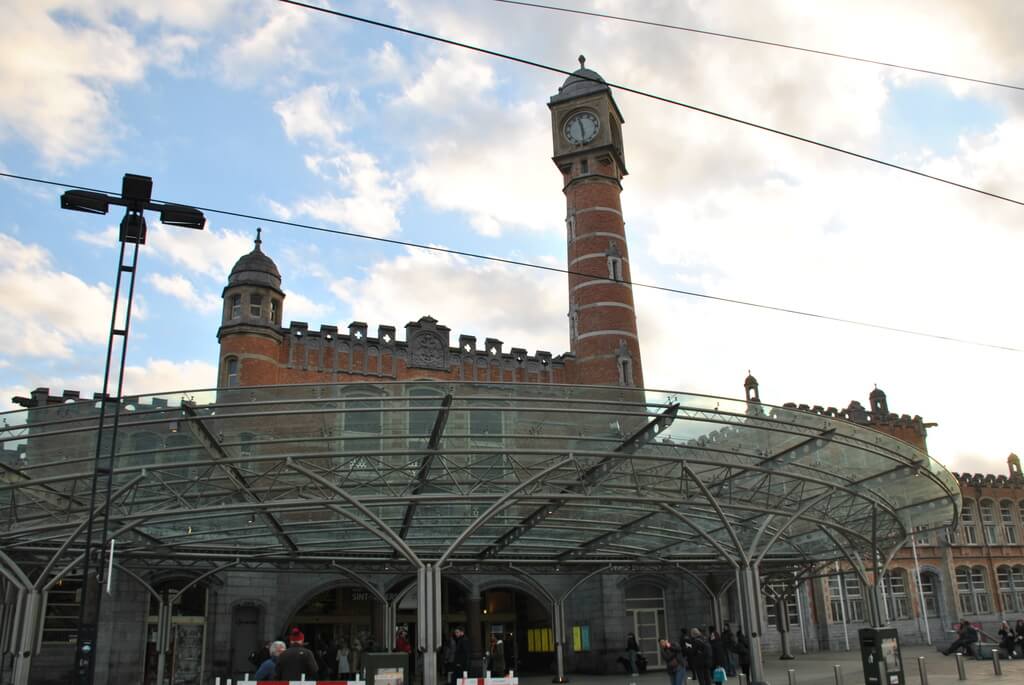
point(268, 109)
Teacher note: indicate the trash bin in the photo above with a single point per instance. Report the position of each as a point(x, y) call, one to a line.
point(880, 656)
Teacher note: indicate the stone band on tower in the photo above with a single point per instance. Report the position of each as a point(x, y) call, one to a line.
point(587, 135)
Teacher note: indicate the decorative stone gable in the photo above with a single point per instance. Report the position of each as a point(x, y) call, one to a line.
point(428, 344)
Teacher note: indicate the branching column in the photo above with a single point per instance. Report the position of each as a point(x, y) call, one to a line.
point(749, 595)
point(428, 619)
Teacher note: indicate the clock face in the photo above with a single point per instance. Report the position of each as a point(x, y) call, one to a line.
point(581, 128)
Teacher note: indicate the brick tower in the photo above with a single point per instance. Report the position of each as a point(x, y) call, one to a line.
point(250, 333)
point(587, 131)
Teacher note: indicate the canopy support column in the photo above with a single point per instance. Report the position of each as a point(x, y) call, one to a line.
point(428, 619)
point(28, 633)
point(558, 621)
point(748, 591)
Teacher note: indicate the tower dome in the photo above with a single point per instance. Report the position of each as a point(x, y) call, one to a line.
point(581, 82)
point(255, 269)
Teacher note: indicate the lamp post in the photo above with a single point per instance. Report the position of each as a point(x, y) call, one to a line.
point(136, 192)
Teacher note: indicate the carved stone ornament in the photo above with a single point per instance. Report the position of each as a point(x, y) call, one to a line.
point(428, 351)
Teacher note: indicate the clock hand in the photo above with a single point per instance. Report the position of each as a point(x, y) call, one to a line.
point(579, 122)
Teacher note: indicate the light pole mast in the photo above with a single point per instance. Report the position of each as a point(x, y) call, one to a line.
point(136, 192)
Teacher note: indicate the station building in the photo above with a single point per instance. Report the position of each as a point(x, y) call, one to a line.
point(351, 481)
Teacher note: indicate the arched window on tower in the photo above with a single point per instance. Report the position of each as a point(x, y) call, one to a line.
point(275, 312)
point(570, 225)
point(625, 363)
point(256, 306)
point(574, 322)
point(236, 306)
point(231, 372)
point(614, 262)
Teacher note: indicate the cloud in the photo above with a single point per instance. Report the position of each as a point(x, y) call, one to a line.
point(308, 114)
point(210, 252)
point(271, 41)
point(181, 288)
point(298, 307)
point(373, 196)
point(523, 308)
point(48, 312)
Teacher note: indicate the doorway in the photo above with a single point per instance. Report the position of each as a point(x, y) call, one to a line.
point(645, 611)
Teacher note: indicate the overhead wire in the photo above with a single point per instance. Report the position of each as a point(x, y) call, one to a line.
point(649, 95)
point(544, 267)
point(770, 43)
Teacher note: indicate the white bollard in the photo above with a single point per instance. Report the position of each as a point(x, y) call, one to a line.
point(216, 681)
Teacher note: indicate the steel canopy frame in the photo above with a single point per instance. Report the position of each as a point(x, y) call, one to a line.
point(584, 479)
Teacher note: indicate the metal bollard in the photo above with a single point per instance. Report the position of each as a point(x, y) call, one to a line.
point(791, 674)
point(742, 677)
point(837, 670)
point(922, 670)
point(997, 667)
point(960, 671)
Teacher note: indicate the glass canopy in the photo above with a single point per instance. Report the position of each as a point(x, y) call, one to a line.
point(465, 474)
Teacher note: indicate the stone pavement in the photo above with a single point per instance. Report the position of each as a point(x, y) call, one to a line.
point(815, 668)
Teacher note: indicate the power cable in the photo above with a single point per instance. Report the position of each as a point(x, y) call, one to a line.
point(774, 44)
point(652, 96)
point(542, 267)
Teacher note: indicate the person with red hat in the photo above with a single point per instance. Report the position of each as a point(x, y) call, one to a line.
point(296, 661)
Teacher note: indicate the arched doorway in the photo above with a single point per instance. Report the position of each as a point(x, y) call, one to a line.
point(645, 615)
point(523, 624)
point(339, 615)
point(186, 658)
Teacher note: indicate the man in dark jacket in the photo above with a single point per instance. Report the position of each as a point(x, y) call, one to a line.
point(966, 639)
point(460, 655)
point(729, 641)
point(296, 661)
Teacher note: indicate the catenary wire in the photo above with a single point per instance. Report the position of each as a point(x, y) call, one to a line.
point(770, 43)
point(652, 96)
point(542, 267)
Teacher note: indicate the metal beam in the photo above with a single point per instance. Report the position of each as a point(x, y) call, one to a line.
point(427, 463)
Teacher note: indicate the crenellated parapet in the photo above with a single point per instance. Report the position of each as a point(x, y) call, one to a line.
point(308, 355)
point(989, 480)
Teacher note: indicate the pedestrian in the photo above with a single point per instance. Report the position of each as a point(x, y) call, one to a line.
point(297, 661)
point(699, 657)
point(718, 651)
point(460, 655)
point(743, 652)
point(729, 642)
point(675, 664)
point(1019, 630)
point(344, 666)
point(268, 668)
point(966, 639)
point(356, 655)
point(631, 651)
point(498, 658)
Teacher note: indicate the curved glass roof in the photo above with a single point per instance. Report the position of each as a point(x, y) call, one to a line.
point(480, 474)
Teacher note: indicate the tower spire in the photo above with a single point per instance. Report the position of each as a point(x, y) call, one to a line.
point(259, 241)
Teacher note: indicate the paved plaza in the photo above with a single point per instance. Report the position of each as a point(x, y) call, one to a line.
point(817, 669)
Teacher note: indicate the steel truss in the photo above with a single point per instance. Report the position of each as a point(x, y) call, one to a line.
point(427, 478)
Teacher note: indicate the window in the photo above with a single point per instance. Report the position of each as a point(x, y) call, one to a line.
point(485, 424)
point(854, 598)
point(792, 607)
point(969, 534)
point(232, 371)
point(626, 371)
point(923, 537)
point(256, 306)
point(574, 323)
point(971, 590)
point(615, 268)
point(63, 604)
point(1011, 588)
point(1009, 526)
point(363, 425)
point(275, 312)
point(929, 588)
point(988, 522)
point(236, 306)
point(423, 409)
point(584, 166)
point(896, 599)
point(570, 225)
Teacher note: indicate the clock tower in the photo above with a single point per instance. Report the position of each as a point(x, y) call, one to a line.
point(586, 128)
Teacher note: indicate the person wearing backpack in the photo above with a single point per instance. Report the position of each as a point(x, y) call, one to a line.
point(699, 657)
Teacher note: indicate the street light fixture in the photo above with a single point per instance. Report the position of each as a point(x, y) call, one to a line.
point(136, 198)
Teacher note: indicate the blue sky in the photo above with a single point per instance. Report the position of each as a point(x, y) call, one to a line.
point(267, 109)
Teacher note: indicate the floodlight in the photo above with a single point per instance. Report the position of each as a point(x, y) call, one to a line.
point(135, 188)
point(85, 201)
point(133, 228)
point(182, 215)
